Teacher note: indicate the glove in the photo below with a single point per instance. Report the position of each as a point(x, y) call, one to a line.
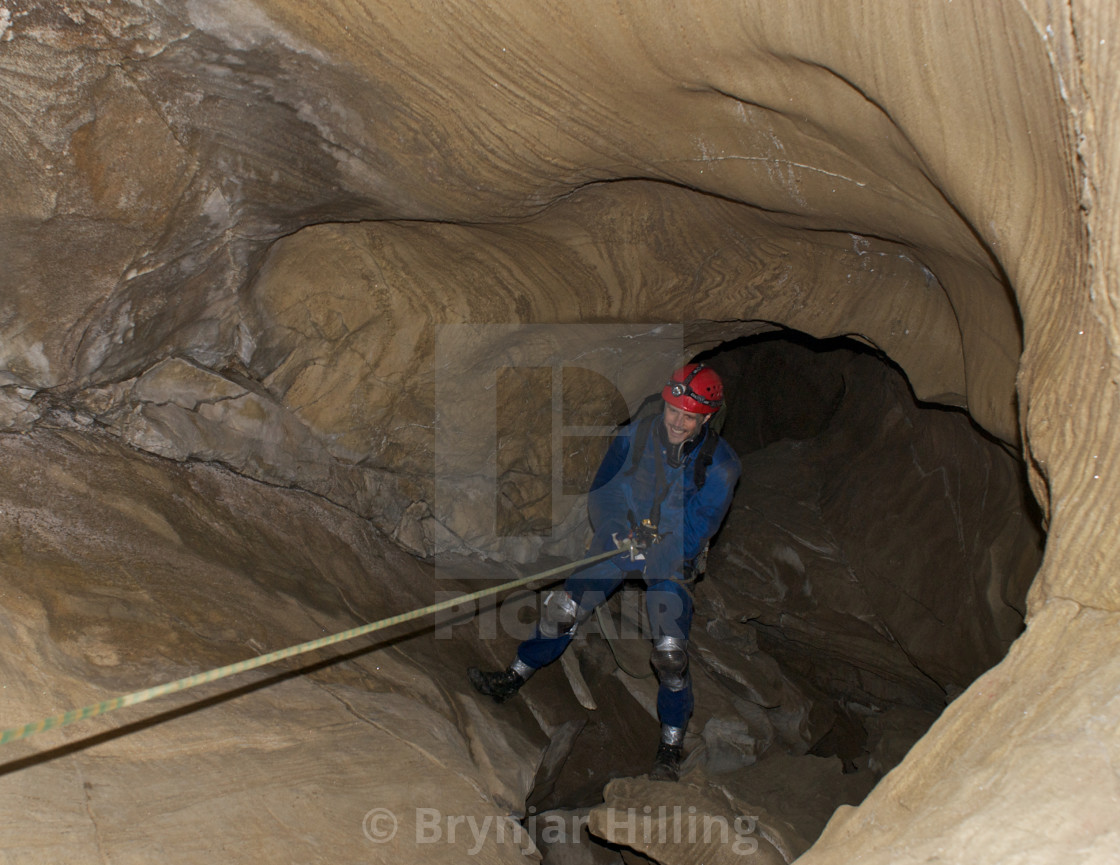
point(644, 536)
point(641, 538)
point(628, 550)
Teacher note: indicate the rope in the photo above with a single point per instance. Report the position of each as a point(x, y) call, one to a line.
point(13, 734)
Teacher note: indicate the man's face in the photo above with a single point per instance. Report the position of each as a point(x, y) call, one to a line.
point(682, 425)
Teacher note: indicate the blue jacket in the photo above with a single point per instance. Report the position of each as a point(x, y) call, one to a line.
point(622, 496)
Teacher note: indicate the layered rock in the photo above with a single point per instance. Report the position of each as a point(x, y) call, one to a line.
point(936, 179)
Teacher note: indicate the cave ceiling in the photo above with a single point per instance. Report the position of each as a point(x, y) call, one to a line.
point(776, 175)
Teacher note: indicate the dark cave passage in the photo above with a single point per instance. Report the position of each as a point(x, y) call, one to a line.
point(875, 561)
point(864, 513)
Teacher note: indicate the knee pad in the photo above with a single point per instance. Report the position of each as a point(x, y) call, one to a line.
point(560, 614)
point(670, 660)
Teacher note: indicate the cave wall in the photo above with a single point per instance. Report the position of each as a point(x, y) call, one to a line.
point(720, 165)
point(120, 570)
point(882, 548)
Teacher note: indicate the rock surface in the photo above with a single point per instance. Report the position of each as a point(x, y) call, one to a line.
point(880, 547)
point(683, 824)
point(252, 234)
point(121, 571)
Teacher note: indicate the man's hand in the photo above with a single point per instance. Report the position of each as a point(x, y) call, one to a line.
point(643, 536)
point(626, 546)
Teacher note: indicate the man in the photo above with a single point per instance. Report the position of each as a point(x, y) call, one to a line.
point(666, 484)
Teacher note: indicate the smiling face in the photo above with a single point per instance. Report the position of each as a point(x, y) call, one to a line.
point(682, 425)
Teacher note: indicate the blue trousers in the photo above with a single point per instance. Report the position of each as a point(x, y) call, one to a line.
point(668, 605)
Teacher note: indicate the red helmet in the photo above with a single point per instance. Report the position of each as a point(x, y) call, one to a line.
point(694, 388)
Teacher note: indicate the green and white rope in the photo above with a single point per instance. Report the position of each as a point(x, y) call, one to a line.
point(13, 734)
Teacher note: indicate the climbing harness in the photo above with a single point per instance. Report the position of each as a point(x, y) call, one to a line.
point(13, 734)
point(645, 532)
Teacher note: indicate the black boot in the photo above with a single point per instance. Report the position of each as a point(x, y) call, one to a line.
point(500, 685)
point(667, 763)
